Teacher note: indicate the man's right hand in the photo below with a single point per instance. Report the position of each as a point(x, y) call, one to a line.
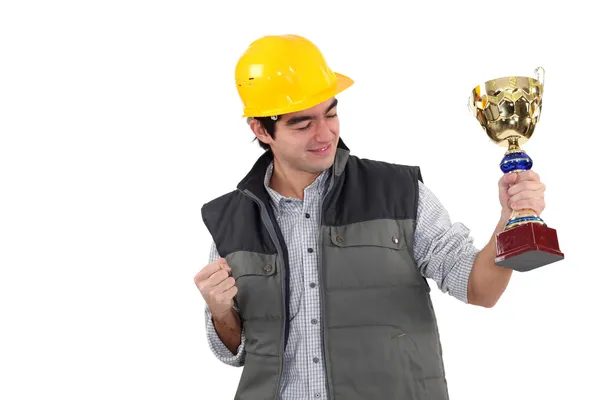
point(217, 287)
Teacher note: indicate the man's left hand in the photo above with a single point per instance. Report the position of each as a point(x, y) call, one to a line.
point(521, 190)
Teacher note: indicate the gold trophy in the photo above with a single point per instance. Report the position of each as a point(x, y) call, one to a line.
point(508, 109)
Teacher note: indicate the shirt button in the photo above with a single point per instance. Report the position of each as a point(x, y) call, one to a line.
point(310, 250)
point(339, 239)
point(312, 284)
point(318, 395)
point(315, 360)
point(307, 215)
point(313, 321)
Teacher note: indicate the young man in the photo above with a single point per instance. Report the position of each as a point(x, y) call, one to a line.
point(316, 280)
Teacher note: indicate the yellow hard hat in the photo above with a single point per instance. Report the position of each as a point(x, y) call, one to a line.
point(283, 74)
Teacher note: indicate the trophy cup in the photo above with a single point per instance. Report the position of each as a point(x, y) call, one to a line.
point(508, 109)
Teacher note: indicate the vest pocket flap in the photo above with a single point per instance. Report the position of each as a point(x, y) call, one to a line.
point(381, 232)
point(244, 263)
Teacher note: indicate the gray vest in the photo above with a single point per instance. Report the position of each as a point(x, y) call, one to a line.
point(380, 335)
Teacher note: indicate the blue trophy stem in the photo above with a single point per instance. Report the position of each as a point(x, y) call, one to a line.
point(516, 161)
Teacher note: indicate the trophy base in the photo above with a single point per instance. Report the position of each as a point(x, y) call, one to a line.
point(526, 247)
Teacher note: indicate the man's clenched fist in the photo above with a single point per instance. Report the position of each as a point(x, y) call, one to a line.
point(217, 287)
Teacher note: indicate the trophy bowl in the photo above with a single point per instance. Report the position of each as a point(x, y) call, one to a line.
point(508, 108)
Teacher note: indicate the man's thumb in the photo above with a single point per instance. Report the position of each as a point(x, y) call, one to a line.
point(223, 264)
point(508, 180)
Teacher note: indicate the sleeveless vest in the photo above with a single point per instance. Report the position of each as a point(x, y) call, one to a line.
point(379, 330)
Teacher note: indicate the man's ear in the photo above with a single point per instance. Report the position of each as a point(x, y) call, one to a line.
point(260, 132)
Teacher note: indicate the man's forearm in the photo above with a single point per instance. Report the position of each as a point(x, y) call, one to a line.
point(229, 328)
point(488, 281)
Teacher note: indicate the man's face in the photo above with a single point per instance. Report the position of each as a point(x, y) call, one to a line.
point(307, 140)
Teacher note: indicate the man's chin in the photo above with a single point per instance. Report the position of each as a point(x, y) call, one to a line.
point(318, 167)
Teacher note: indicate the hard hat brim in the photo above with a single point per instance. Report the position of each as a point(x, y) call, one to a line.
point(343, 83)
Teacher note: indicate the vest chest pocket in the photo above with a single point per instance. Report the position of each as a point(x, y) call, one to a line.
point(258, 282)
point(371, 254)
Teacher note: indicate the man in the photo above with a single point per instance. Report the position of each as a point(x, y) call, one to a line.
point(316, 282)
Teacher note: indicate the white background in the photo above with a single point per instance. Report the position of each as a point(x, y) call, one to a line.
point(119, 119)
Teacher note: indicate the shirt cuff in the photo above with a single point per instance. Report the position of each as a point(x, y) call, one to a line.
point(219, 349)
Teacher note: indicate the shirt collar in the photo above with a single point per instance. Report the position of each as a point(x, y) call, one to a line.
point(278, 201)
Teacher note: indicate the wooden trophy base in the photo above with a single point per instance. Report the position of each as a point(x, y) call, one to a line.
point(527, 247)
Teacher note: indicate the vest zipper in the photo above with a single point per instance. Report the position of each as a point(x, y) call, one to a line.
point(264, 215)
point(324, 338)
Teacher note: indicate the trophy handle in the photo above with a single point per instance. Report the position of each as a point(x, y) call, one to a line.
point(540, 74)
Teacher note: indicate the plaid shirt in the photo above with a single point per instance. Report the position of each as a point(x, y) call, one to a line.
point(443, 251)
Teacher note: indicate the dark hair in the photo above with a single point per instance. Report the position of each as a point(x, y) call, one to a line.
point(269, 124)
